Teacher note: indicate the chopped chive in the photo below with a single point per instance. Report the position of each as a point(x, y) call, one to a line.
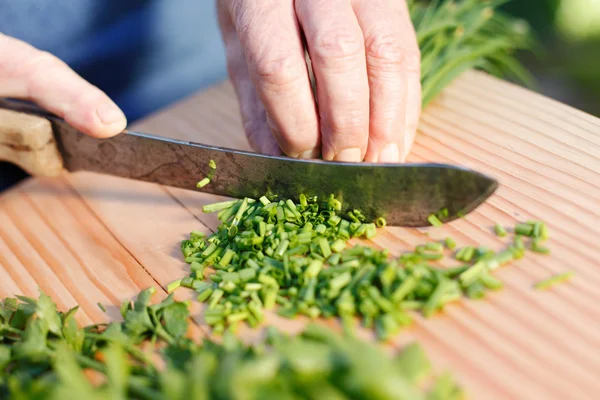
point(524, 229)
point(101, 307)
point(465, 254)
point(173, 285)
point(537, 229)
point(324, 246)
point(490, 282)
point(237, 317)
point(500, 231)
point(187, 281)
point(435, 301)
point(405, 289)
point(227, 257)
point(473, 273)
point(215, 297)
point(338, 246)
point(450, 243)
point(313, 269)
point(380, 222)
point(371, 231)
point(434, 221)
point(544, 232)
point(476, 291)
point(212, 164)
point(519, 242)
point(434, 246)
point(281, 248)
point(455, 271)
point(203, 182)
point(204, 294)
point(554, 280)
point(269, 298)
point(536, 247)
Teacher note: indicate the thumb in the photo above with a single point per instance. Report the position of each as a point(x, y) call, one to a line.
point(31, 74)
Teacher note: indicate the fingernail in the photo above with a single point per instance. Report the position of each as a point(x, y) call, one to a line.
point(310, 154)
point(349, 155)
point(110, 114)
point(390, 154)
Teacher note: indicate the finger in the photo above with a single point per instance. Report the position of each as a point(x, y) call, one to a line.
point(413, 66)
point(413, 111)
point(392, 65)
point(275, 61)
point(254, 117)
point(28, 73)
point(336, 48)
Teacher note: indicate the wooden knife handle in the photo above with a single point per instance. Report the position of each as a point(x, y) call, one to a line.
point(28, 141)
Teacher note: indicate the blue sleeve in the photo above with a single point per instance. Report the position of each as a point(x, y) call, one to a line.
point(144, 54)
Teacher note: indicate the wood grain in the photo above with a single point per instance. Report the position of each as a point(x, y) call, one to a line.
point(86, 238)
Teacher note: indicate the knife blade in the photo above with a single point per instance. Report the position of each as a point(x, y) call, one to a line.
point(404, 194)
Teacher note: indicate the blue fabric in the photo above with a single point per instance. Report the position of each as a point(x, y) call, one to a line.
point(144, 54)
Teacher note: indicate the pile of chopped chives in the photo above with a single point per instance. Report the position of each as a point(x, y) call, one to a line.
point(295, 257)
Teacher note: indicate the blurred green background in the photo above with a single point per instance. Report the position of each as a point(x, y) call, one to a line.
point(568, 66)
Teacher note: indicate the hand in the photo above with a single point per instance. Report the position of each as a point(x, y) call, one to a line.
point(366, 62)
point(30, 74)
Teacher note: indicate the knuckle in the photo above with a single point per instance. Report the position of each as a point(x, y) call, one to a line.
point(42, 60)
point(278, 70)
point(387, 48)
point(388, 52)
point(38, 71)
point(337, 45)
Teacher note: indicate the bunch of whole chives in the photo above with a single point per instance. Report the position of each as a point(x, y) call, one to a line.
point(296, 257)
point(455, 36)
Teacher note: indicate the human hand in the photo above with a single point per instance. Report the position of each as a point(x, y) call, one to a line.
point(366, 61)
point(30, 74)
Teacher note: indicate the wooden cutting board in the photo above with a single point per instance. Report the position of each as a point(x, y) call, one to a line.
point(86, 238)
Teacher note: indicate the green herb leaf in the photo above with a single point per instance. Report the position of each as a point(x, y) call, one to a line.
point(46, 311)
point(176, 319)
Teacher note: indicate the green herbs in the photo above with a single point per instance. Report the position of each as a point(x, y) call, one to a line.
point(554, 280)
point(434, 220)
point(43, 351)
point(537, 231)
point(205, 181)
point(437, 218)
point(455, 36)
point(43, 355)
point(295, 259)
point(500, 231)
point(173, 285)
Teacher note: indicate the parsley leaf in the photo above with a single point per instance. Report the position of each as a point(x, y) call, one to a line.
point(176, 319)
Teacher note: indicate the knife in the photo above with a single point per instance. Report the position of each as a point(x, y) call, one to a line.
point(403, 194)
